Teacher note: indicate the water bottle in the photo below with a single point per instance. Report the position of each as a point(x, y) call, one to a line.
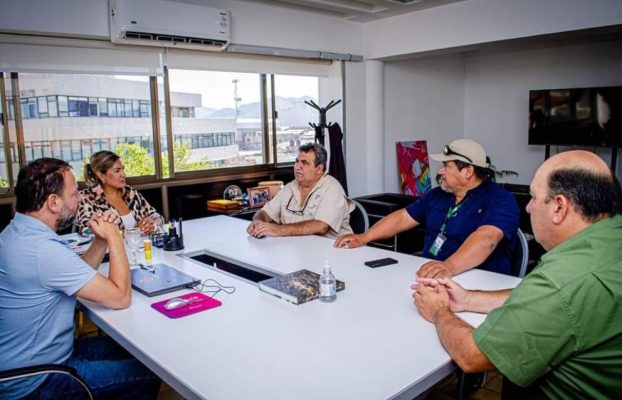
point(328, 285)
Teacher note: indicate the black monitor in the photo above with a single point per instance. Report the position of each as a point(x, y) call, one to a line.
point(590, 117)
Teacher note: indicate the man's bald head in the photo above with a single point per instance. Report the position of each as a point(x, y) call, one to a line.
point(577, 159)
point(586, 181)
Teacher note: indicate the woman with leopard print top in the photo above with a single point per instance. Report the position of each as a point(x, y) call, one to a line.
point(107, 191)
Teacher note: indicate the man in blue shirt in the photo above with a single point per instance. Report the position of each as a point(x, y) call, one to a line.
point(469, 220)
point(41, 277)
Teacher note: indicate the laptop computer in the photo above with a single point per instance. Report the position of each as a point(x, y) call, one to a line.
point(160, 279)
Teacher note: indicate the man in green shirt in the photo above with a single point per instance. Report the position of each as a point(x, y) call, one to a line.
point(558, 334)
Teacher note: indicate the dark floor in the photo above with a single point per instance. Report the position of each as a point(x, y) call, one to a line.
point(445, 390)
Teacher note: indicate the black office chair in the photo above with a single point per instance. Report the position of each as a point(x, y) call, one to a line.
point(359, 221)
point(27, 372)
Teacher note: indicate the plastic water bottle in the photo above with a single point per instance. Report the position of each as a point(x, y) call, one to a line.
point(328, 285)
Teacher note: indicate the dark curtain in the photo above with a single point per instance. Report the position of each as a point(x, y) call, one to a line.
point(337, 167)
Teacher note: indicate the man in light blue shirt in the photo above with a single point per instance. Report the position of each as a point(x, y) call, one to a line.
point(40, 277)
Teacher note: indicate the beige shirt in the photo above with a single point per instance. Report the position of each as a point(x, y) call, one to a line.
point(327, 202)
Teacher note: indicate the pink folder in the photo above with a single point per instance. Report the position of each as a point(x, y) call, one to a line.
point(198, 302)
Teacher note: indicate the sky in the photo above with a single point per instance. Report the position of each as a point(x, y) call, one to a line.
point(217, 88)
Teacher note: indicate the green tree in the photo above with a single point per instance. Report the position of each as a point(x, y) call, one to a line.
point(3, 183)
point(181, 154)
point(136, 159)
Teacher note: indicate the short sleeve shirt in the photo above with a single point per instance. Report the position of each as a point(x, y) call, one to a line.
point(559, 333)
point(39, 276)
point(487, 204)
point(327, 202)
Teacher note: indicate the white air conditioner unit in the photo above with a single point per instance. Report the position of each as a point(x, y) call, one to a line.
point(169, 24)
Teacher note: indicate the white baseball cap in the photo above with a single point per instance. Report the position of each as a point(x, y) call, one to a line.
point(466, 150)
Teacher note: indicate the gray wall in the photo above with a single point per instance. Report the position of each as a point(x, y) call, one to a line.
point(497, 88)
point(485, 97)
point(424, 100)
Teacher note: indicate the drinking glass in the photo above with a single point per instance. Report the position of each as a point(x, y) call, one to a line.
point(133, 239)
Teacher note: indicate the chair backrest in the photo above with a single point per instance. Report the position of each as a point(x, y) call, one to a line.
point(521, 255)
point(359, 221)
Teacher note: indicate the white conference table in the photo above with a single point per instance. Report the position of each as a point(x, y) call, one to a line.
point(369, 344)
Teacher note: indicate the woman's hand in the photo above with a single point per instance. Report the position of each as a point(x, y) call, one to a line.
point(147, 225)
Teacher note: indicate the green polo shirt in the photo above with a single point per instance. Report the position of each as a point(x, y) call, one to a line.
point(559, 333)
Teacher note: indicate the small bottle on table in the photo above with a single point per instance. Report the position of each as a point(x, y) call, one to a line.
point(328, 285)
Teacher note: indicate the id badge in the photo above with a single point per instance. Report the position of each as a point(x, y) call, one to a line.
point(438, 243)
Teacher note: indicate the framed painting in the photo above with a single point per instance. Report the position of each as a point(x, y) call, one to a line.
point(258, 196)
point(414, 167)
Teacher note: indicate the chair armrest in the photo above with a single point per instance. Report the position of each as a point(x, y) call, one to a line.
point(42, 369)
point(24, 372)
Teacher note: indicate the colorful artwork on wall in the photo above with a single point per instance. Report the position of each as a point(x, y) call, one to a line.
point(414, 167)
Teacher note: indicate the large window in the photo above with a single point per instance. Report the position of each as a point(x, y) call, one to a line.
point(9, 128)
point(215, 118)
point(218, 119)
point(293, 115)
point(72, 116)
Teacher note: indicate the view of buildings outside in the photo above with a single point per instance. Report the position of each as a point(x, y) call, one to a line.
point(235, 98)
point(294, 115)
point(216, 119)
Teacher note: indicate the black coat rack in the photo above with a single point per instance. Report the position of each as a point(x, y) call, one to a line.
point(336, 165)
point(321, 125)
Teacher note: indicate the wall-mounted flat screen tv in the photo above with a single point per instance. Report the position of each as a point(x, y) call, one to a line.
point(576, 117)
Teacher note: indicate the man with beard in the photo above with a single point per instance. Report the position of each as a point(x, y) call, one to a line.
point(41, 277)
point(313, 204)
point(469, 220)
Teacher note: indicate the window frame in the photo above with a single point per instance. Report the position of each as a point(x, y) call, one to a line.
point(65, 106)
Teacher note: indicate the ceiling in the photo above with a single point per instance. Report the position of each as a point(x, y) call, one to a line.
point(360, 10)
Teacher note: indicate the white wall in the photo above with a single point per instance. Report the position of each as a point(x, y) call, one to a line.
point(424, 100)
point(485, 97)
point(474, 22)
point(356, 130)
point(496, 101)
point(439, 98)
point(73, 18)
point(252, 23)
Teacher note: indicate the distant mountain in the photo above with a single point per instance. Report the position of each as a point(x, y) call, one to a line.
point(253, 110)
point(222, 113)
point(203, 112)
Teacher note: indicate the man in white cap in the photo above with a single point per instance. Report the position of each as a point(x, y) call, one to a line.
point(469, 220)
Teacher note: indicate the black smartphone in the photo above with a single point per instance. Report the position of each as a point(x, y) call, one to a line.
point(380, 262)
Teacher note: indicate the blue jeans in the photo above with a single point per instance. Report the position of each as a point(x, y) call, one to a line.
point(108, 370)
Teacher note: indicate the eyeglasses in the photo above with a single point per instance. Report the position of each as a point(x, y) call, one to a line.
point(300, 212)
point(448, 151)
point(297, 212)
